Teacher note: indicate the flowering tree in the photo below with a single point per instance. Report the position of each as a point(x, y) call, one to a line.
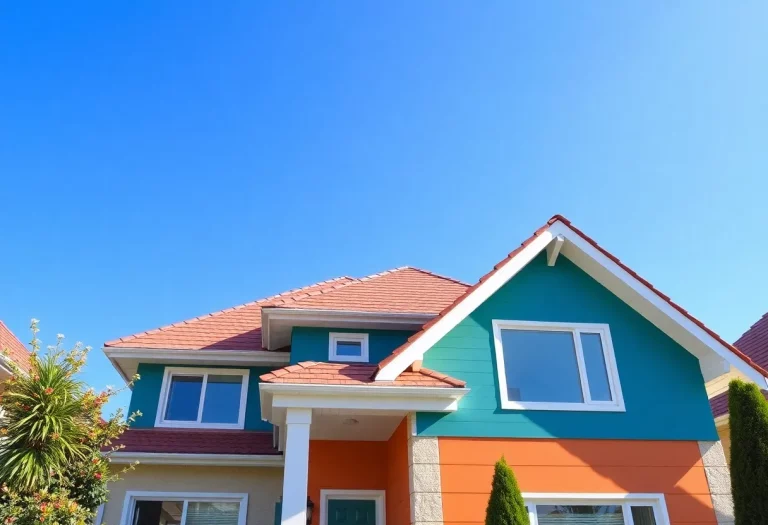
point(55, 446)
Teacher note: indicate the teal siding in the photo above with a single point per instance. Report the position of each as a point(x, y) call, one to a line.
point(311, 344)
point(146, 395)
point(662, 383)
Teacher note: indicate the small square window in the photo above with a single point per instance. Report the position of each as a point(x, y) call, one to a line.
point(556, 366)
point(212, 398)
point(351, 348)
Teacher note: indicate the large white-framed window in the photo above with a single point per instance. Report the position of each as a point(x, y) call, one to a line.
point(556, 366)
point(203, 398)
point(184, 508)
point(596, 509)
point(350, 348)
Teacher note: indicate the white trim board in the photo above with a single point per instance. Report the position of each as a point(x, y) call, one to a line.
point(219, 460)
point(170, 372)
point(655, 500)
point(714, 356)
point(132, 496)
point(378, 496)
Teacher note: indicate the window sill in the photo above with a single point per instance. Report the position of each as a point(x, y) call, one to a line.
point(199, 426)
point(562, 407)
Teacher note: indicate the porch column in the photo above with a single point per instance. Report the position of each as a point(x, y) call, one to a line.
point(297, 421)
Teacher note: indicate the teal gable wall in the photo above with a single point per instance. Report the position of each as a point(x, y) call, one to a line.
point(662, 383)
point(146, 396)
point(311, 344)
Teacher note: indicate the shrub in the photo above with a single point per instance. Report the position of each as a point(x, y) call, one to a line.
point(748, 411)
point(505, 505)
point(54, 455)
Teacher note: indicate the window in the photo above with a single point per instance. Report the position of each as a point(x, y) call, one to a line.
point(596, 509)
point(155, 508)
point(348, 347)
point(203, 398)
point(556, 366)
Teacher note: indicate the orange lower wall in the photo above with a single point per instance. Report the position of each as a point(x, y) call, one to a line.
point(398, 491)
point(673, 468)
point(363, 465)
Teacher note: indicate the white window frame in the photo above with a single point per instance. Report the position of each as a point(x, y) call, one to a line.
point(131, 497)
point(628, 500)
point(170, 372)
point(379, 496)
point(341, 337)
point(588, 405)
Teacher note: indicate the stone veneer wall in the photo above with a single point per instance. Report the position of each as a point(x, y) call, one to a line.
point(719, 480)
point(424, 478)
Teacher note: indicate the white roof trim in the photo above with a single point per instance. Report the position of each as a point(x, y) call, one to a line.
point(697, 340)
point(220, 460)
point(241, 356)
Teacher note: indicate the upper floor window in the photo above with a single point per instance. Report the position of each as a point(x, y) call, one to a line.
point(556, 366)
point(203, 398)
point(348, 347)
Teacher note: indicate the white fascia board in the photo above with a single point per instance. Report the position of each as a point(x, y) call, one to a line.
point(436, 332)
point(657, 302)
point(421, 399)
point(219, 460)
point(254, 357)
point(321, 315)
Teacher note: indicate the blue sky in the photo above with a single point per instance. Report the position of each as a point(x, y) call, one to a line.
point(163, 160)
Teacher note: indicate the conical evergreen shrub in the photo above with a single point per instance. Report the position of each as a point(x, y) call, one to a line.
point(748, 411)
point(505, 505)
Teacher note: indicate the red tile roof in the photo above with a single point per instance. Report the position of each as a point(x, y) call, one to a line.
point(17, 352)
point(194, 441)
point(586, 238)
point(754, 343)
point(405, 290)
point(313, 373)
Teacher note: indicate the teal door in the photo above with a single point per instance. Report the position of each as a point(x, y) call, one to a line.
point(351, 512)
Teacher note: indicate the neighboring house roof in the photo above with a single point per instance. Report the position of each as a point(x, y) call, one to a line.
point(193, 441)
point(313, 373)
point(559, 224)
point(402, 290)
point(17, 352)
point(754, 343)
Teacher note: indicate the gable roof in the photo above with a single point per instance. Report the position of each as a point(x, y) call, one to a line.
point(313, 373)
point(404, 289)
point(17, 352)
point(691, 333)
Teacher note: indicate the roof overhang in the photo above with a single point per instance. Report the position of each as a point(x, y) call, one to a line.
point(277, 322)
point(126, 360)
point(219, 460)
point(276, 398)
point(715, 356)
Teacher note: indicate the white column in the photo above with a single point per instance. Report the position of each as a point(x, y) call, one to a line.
point(297, 421)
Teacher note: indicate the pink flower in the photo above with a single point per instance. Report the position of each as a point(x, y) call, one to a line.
point(49, 391)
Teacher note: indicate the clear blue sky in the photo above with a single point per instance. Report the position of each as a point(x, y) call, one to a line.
point(163, 160)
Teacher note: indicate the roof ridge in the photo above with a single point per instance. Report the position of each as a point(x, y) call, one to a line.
point(223, 311)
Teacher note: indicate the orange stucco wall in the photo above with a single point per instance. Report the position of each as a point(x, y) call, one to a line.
point(363, 465)
point(673, 468)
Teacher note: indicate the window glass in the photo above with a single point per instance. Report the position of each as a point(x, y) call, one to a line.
point(643, 515)
point(184, 398)
point(594, 361)
point(222, 399)
point(158, 512)
point(580, 514)
point(205, 513)
point(541, 366)
point(349, 348)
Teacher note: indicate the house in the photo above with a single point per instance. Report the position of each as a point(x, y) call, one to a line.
point(387, 400)
point(11, 351)
point(754, 344)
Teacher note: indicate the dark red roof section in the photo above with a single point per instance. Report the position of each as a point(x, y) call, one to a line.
point(560, 218)
point(719, 403)
point(313, 373)
point(17, 352)
point(194, 441)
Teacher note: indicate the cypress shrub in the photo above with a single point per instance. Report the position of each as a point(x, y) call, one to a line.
point(749, 452)
point(505, 505)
